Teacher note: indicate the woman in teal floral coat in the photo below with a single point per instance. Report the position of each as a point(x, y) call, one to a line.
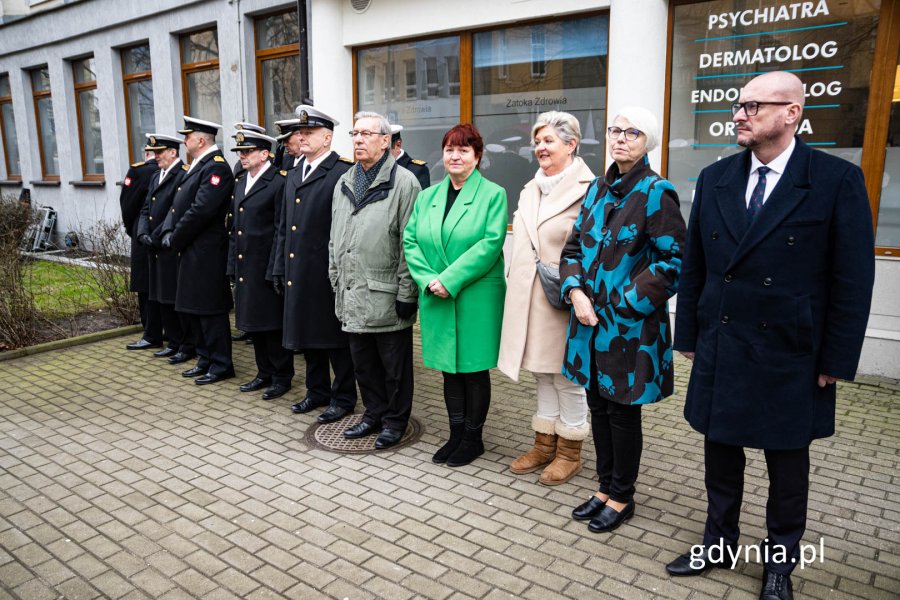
point(619, 268)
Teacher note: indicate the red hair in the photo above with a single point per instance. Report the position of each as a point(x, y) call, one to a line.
point(464, 134)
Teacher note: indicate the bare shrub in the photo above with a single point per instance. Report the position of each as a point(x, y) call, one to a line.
point(111, 269)
point(19, 316)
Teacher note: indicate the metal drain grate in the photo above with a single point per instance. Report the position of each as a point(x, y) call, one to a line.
point(331, 437)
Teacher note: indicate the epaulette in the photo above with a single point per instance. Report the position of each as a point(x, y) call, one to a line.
point(139, 164)
point(346, 160)
point(416, 161)
point(283, 173)
point(218, 158)
point(184, 168)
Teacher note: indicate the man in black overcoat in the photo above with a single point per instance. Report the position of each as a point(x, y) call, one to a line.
point(163, 262)
point(310, 324)
point(290, 143)
point(131, 199)
point(419, 168)
point(258, 194)
point(195, 229)
point(772, 309)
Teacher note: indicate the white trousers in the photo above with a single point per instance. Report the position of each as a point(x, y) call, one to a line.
point(559, 398)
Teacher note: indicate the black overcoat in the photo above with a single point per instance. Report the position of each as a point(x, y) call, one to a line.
point(131, 199)
point(768, 306)
point(302, 245)
point(251, 251)
point(163, 261)
point(197, 223)
point(419, 168)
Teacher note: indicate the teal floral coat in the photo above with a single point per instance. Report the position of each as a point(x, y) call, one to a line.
point(625, 252)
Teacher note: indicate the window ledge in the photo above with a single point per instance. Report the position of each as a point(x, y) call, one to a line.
point(44, 183)
point(86, 183)
point(11, 182)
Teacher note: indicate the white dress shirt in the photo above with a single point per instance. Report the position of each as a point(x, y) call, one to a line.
point(252, 179)
point(209, 150)
point(777, 166)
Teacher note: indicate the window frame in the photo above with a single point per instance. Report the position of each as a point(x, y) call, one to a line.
point(83, 87)
point(36, 96)
point(8, 100)
point(127, 79)
point(265, 54)
point(196, 67)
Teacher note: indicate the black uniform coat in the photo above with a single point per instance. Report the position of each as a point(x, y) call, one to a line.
point(197, 223)
point(302, 245)
point(419, 168)
point(768, 306)
point(251, 251)
point(163, 262)
point(131, 199)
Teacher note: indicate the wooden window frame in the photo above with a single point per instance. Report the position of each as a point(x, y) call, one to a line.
point(129, 78)
point(196, 67)
point(35, 97)
point(262, 55)
point(878, 115)
point(83, 87)
point(8, 100)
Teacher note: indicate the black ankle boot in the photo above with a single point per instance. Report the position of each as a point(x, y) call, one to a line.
point(456, 436)
point(470, 448)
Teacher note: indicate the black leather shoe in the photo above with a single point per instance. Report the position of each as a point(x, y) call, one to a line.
point(307, 404)
point(359, 430)
point(696, 563)
point(211, 378)
point(776, 587)
point(181, 357)
point(589, 509)
point(332, 414)
point(257, 383)
point(240, 336)
point(276, 390)
point(609, 519)
point(194, 372)
point(165, 353)
point(388, 437)
point(142, 344)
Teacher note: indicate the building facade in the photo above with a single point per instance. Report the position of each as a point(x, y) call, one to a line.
point(82, 81)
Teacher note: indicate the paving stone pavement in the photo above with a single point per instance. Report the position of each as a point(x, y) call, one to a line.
point(121, 479)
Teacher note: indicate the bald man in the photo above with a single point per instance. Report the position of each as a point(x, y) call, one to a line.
point(773, 302)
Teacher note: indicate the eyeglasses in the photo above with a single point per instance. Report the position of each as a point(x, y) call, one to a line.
point(751, 107)
point(631, 133)
point(365, 134)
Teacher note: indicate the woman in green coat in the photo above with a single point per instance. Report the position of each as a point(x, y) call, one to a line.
point(454, 248)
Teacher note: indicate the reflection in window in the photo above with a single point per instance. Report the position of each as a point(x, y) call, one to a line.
point(46, 125)
point(8, 131)
point(887, 233)
point(200, 77)
point(86, 107)
point(138, 85)
point(370, 85)
point(410, 66)
point(431, 76)
point(453, 75)
point(550, 66)
point(277, 66)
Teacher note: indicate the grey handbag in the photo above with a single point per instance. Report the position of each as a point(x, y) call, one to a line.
point(549, 278)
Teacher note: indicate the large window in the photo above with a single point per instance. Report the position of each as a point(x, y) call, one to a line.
point(85, 77)
point(277, 66)
point(887, 232)
point(46, 126)
point(138, 98)
point(200, 77)
point(8, 131)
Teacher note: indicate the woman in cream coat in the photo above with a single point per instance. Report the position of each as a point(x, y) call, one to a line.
point(534, 333)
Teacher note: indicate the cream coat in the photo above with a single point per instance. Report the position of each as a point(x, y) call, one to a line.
point(534, 333)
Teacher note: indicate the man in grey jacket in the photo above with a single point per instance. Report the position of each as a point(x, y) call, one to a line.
point(375, 297)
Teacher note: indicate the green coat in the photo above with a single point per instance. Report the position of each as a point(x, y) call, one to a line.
point(460, 334)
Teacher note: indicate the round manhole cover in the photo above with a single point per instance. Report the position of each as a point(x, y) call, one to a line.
point(331, 437)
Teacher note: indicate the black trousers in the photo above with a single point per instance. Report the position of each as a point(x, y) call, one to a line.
point(785, 508)
point(340, 391)
point(272, 360)
point(150, 318)
point(468, 398)
point(213, 342)
point(174, 330)
point(384, 370)
point(618, 442)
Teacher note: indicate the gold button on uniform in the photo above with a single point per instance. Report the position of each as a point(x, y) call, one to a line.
point(241, 279)
point(297, 201)
point(151, 218)
point(291, 255)
point(240, 257)
point(241, 209)
point(240, 232)
point(289, 284)
point(293, 228)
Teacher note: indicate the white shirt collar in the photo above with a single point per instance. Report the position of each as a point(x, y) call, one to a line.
point(315, 163)
point(213, 148)
point(777, 164)
point(164, 172)
point(253, 179)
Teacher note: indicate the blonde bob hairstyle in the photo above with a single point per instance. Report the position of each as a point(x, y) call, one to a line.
point(565, 125)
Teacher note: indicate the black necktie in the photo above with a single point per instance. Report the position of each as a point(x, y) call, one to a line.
point(756, 198)
point(306, 169)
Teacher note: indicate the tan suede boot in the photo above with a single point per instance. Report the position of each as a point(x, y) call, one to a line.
point(567, 463)
point(542, 452)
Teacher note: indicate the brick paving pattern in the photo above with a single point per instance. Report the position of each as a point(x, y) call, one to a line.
point(121, 479)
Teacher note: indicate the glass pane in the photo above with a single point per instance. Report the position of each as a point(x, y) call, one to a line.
point(281, 89)
point(199, 46)
point(90, 132)
point(48, 136)
point(10, 141)
point(136, 59)
point(40, 80)
point(831, 51)
point(4, 86)
point(140, 111)
point(521, 72)
point(204, 99)
point(412, 85)
point(277, 30)
point(887, 232)
point(85, 70)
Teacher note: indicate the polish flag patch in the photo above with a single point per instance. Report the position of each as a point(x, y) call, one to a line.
point(127, 181)
point(215, 179)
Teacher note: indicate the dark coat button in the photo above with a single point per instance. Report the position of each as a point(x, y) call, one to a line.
point(767, 281)
point(791, 240)
point(725, 318)
point(763, 325)
point(728, 278)
point(715, 235)
point(604, 229)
